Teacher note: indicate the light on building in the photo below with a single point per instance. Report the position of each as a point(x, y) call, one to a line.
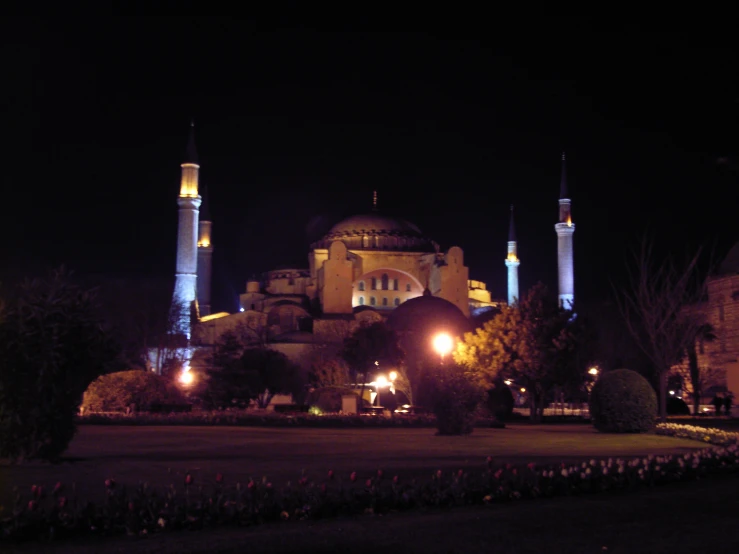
point(393, 375)
point(593, 371)
point(672, 393)
point(241, 309)
point(523, 389)
point(508, 382)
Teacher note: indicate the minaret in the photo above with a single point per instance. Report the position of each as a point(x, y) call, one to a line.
point(374, 200)
point(512, 262)
point(205, 255)
point(185, 286)
point(565, 229)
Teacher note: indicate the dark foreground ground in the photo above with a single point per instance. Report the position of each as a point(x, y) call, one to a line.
point(692, 518)
point(164, 455)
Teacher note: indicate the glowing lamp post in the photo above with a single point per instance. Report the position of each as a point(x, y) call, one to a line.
point(443, 344)
point(186, 377)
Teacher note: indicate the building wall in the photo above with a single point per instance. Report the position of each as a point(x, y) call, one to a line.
point(389, 287)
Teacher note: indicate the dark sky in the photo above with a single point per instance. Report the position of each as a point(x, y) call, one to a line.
point(296, 127)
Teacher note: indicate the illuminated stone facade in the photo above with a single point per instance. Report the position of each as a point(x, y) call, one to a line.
point(361, 270)
point(719, 358)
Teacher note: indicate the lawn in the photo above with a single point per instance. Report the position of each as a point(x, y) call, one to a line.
point(163, 455)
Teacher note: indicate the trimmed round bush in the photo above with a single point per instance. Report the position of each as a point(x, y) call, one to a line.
point(500, 402)
point(136, 388)
point(622, 401)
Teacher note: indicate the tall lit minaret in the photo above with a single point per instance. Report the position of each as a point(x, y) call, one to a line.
point(565, 229)
point(185, 286)
point(205, 255)
point(512, 262)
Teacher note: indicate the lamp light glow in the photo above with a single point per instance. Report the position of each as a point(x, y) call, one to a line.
point(443, 344)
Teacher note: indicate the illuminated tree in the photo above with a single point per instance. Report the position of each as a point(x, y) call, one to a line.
point(535, 343)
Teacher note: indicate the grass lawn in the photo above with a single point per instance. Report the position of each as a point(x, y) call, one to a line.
point(163, 455)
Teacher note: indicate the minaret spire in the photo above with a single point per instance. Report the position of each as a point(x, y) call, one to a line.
point(563, 192)
point(565, 228)
point(512, 262)
point(374, 200)
point(511, 228)
point(191, 154)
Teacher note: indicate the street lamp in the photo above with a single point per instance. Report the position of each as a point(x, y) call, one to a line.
point(186, 376)
point(380, 381)
point(443, 344)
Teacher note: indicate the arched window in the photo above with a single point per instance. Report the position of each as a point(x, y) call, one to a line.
point(396, 302)
point(395, 284)
point(408, 288)
point(385, 281)
point(384, 301)
point(374, 283)
point(373, 301)
point(361, 300)
point(361, 285)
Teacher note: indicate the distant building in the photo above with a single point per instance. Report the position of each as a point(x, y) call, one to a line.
point(719, 358)
point(365, 267)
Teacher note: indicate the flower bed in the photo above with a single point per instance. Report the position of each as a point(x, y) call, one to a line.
point(267, 419)
point(144, 509)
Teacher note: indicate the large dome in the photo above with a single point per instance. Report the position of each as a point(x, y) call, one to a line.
point(374, 223)
point(375, 231)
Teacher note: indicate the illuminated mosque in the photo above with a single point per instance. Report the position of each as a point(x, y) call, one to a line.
point(362, 270)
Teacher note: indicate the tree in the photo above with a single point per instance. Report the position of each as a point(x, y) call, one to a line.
point(327, 368)
point(269, 372)
point(52, 346)
point(241, 375)
point(370, 348)
point(655, 305)
point(535, 343)
point(693, 374)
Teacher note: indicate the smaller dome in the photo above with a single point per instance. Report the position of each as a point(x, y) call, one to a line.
point(427, 315)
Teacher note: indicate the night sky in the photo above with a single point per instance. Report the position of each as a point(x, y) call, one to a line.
point(296, 128)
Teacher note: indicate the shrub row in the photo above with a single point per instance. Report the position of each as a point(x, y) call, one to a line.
point(245, 418)
point(144, 509)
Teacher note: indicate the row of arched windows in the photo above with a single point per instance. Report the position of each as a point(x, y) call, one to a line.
point(373, 301)
point(384, 284)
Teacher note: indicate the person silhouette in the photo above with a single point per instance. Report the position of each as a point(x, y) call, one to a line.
point(717, 403)
point(727, 403)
